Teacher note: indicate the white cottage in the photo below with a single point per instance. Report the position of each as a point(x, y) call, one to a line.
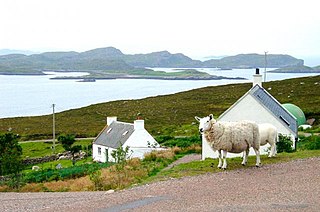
point(260, 106)
point(116, 134)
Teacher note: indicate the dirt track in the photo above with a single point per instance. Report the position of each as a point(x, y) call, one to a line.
point(293, 186)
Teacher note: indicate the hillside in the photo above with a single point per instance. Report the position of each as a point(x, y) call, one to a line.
point(166, 114)
point(162, 59)
point(254, 60)
point(297, 69)
point(109, 60)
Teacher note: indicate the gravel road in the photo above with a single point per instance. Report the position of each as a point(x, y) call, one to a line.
point(292, 186)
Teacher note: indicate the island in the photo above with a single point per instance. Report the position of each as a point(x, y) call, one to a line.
point(190, 74)
point(111, 63)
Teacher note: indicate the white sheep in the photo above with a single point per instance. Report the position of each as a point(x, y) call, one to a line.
point(35, 168)
point(269, 134)
point(234, 137)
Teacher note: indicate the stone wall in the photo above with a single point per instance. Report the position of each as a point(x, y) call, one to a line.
point(65, 155)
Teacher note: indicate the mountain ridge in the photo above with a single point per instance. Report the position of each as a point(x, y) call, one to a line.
point(111, 58)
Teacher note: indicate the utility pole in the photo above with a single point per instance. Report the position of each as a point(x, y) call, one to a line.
point(53, 130)
point(265, 66)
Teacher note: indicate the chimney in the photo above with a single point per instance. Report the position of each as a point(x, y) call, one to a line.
point(110, 119)
point(257, 78)
point(139, 124)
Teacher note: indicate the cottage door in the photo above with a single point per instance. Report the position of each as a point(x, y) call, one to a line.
point(107, 155)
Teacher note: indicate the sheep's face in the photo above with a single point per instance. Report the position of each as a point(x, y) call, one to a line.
point(205, 123)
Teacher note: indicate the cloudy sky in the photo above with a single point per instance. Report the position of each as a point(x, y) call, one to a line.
point(197, 28)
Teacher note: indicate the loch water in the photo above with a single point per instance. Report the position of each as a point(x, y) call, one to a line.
point(34, 95)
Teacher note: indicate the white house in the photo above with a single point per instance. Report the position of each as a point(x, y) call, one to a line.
point(116, 134)
point(260, 106)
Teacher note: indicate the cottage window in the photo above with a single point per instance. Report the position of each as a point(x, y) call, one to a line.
point(125, 132)
point(99, 150)
point(109, 130)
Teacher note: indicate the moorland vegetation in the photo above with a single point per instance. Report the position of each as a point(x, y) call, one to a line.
point(169, 118)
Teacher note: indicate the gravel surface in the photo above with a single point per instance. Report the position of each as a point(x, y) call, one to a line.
point(185, 159)
point(292, 186)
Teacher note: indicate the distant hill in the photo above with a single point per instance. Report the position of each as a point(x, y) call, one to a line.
point(112, 59)
point(316, 68)
point(15, 51)
point(297, 69)
point(162, 59)
point(254, 60)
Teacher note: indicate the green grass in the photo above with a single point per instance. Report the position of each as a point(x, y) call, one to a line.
point(166, 115)
point(52, 164)
point(41, 149)
point(47, 174)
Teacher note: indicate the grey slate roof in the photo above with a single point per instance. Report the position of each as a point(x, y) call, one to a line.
point(114, 135)
point(269, 102)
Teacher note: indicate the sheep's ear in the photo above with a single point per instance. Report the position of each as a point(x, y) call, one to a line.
point(211, 116)
point(197, 118)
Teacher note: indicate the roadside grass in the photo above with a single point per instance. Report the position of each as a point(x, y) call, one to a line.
point(137, 172)
point(210, 165)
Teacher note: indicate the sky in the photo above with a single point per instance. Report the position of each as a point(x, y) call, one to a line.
point(196, 28)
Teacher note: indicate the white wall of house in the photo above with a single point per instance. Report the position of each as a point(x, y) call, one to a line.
point(247, 109)
point(139, 143)
point(101, 155)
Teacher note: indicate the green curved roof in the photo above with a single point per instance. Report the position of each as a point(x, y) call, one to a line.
point(296, 112)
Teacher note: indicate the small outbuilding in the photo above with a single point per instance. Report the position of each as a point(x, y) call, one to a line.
point(260, 106)
point(120, 134)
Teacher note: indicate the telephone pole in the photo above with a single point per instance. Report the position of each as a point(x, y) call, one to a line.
point(265, 66)
point(53, 130)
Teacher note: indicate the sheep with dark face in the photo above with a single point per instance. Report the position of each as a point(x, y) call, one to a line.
point(234, 137)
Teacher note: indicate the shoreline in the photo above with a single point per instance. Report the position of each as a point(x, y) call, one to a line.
point(151, 78)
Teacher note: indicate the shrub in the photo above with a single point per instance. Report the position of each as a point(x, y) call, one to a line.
point(310, 143)
point(183, 142)
point(284, 144)
point(96, 179)
point(48, 175)
point(163, 138)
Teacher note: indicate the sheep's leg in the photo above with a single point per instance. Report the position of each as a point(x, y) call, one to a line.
point(220, 160)
point(224, 157)
point(273, 149)
point(258, 162)
point(245, 157)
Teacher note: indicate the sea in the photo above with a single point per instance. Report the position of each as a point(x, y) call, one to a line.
point(35, 95)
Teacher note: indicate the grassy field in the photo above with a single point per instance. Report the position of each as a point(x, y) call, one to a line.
point(168, 114)
point(41, 149)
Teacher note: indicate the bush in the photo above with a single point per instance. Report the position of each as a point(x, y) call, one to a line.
point(284, 144)
point(48, 175)
point(163, 138)
point(95, 177)
point(310, 143)
point(183, 142)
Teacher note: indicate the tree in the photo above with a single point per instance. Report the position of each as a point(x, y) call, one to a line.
point(10, 154)
point(120, 154)
point(67, 141)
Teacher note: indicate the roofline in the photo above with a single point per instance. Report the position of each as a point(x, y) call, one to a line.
point(281, 106)
point(100, 133)
point(246, 94)
point(234, 104)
